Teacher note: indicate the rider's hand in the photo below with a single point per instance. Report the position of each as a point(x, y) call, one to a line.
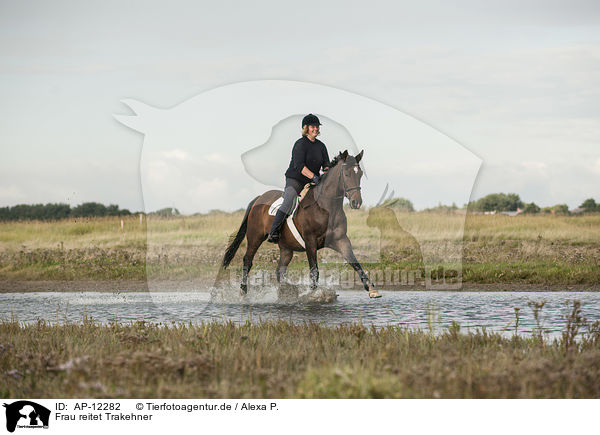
point(326, 168)
point(315, 180)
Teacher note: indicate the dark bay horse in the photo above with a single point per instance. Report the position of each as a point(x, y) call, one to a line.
point(320, 220)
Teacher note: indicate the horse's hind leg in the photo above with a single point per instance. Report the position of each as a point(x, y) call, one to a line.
point(285, 291)
point(253, 245)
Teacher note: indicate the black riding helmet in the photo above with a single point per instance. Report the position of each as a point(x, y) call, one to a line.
point(310, 119)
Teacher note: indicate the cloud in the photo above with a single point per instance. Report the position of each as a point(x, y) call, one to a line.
point(175, 154)
point(539, 166)
point(512, 81)
point(72, 181)
point(253, 125)
point(545, 183)
point(11, 193)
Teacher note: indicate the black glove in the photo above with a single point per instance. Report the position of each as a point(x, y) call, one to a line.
point(316, 179)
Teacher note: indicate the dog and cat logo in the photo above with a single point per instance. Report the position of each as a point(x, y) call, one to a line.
point(26, 414)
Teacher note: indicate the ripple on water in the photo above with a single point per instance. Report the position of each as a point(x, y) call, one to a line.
point(416, 309)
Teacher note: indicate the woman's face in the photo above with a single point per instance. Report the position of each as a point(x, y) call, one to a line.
point(313, 131)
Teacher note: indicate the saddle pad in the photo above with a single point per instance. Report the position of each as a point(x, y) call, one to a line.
point(290, 220)
point(304, 191)
point(277, 203)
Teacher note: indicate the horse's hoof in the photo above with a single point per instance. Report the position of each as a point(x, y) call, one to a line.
point(373, 294)
point(243, 289)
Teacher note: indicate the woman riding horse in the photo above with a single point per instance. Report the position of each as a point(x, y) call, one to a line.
point(320, 221)
point(309, 155)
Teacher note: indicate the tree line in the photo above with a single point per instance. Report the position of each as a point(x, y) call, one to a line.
point(500, 202)
point(493, 202)
point(512, 202)
point(59, 211)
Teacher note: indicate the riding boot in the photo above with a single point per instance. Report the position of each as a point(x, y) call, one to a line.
point(276, 227)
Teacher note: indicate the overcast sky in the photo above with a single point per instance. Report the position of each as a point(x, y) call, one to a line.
point(516, 83)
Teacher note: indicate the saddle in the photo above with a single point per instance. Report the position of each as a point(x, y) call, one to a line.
point(290, 219)
point(277, 203)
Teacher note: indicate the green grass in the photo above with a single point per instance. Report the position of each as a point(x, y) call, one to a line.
point(539, 272)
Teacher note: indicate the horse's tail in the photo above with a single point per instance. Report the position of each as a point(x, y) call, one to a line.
point(237, 239)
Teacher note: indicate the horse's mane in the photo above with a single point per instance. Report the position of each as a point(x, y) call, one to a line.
point(332, 164)
point(335, 160)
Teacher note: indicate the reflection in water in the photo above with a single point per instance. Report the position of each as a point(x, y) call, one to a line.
point(416, 309)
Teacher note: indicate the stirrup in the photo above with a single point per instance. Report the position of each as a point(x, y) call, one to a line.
point(274, 237)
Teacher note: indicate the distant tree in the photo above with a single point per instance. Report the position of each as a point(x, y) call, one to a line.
point(400, 204)
point(441, 208)
point(23, 211)
point(558, 209)
point(35, 211)
point(166, 212)
point(58, 211)
point(531, 208)
point(561, 209)
point(89, 209)
point(113, 210)
point(498, 202)
point(589, 205)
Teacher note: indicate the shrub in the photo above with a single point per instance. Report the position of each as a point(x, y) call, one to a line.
point(498, 202)
point(590, 206)
point(531, 208)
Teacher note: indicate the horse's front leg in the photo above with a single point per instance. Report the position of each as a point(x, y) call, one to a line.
point(344, 247)
point(311, 254)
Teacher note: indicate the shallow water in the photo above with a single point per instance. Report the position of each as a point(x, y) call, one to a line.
point(416, 309)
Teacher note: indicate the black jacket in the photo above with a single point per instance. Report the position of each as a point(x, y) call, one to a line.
point(313, 155)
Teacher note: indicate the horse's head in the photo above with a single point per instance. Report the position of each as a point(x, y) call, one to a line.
point(351, 173)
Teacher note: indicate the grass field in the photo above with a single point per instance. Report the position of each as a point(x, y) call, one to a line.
point(280, 359)
point(285, 360)
point(534, 249)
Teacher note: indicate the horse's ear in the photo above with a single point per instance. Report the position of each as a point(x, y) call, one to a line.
point(345, 155)
point(359, 156)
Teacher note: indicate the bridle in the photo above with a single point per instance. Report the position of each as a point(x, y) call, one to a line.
point(346, 189)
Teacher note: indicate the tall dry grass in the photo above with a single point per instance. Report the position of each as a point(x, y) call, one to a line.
point(525, 248)
point(216, 227)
